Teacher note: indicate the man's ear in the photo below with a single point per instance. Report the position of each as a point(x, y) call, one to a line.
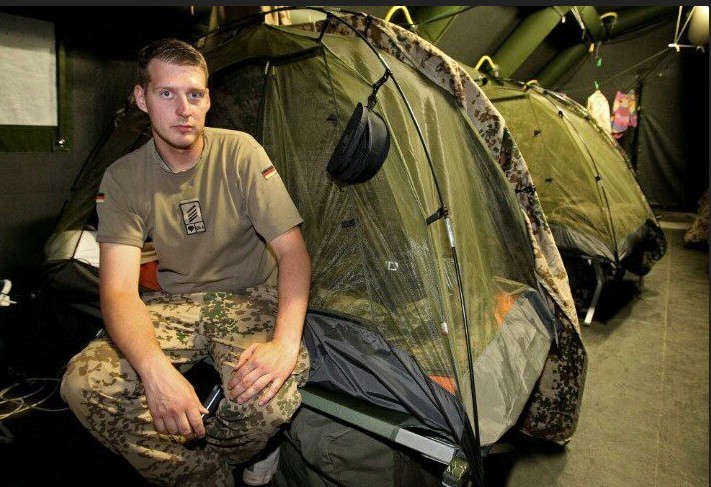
point(207, 97)
point(140, 96)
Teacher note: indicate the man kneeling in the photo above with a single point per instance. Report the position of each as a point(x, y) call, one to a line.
point(234, 274)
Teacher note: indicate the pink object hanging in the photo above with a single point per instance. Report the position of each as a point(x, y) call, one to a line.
point(624, 112)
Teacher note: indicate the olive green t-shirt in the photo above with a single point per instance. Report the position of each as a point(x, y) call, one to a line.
point(209, 224)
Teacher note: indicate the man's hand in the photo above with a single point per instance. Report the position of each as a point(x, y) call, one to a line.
point(262, 366)
point(173, 404)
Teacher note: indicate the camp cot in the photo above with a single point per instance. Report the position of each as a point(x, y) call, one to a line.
point(436, 266)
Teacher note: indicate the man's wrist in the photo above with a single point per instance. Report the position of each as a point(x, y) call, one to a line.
point(290, 345)
point(152, 364)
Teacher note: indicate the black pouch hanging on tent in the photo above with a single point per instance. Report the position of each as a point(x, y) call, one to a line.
point(364, 145)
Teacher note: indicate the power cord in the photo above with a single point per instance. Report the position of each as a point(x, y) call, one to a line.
point(13, 404)
point(25, 393)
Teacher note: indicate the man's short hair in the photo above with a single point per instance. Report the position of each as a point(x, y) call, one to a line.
point(171, 51)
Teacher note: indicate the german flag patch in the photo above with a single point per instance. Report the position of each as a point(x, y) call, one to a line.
point(100, 197)
point(269, 172)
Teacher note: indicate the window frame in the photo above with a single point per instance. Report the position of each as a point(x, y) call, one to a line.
point(46, 138)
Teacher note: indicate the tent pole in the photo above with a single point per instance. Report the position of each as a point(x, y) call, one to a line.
point(470, 358)
point(635, 134)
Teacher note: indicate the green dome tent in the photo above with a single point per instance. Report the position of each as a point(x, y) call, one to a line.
point(438, 255)
point(586, 185)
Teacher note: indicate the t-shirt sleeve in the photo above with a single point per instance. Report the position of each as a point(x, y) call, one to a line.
point(267, 201)
point(118, 221)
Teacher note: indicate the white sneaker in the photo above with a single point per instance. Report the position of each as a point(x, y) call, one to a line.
point(261, 472)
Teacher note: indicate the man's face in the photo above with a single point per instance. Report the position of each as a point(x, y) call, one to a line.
point(176, 100)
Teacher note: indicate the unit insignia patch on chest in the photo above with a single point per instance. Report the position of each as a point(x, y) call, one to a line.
point(192, 216)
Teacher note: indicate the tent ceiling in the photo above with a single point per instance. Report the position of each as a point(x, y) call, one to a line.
point(526, 42)
point(531, 42)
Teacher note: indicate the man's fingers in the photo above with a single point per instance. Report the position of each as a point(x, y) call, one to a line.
point(187, 424)
point(239, 384)
point(270, 392)
point(242, 370)
point(245, 355)
point(160, 425)
point(195, 424)
point(171, 426)
point(254, 389)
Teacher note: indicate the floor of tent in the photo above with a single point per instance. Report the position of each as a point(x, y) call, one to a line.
point(644, 418)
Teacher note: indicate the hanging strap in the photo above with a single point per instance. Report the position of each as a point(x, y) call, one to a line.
point(440, 213)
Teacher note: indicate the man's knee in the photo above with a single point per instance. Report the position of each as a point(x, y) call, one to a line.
point(73, 385)
point(95, 371)
point(250, 417)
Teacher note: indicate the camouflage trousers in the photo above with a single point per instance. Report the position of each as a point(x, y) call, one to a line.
point(107, 396)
